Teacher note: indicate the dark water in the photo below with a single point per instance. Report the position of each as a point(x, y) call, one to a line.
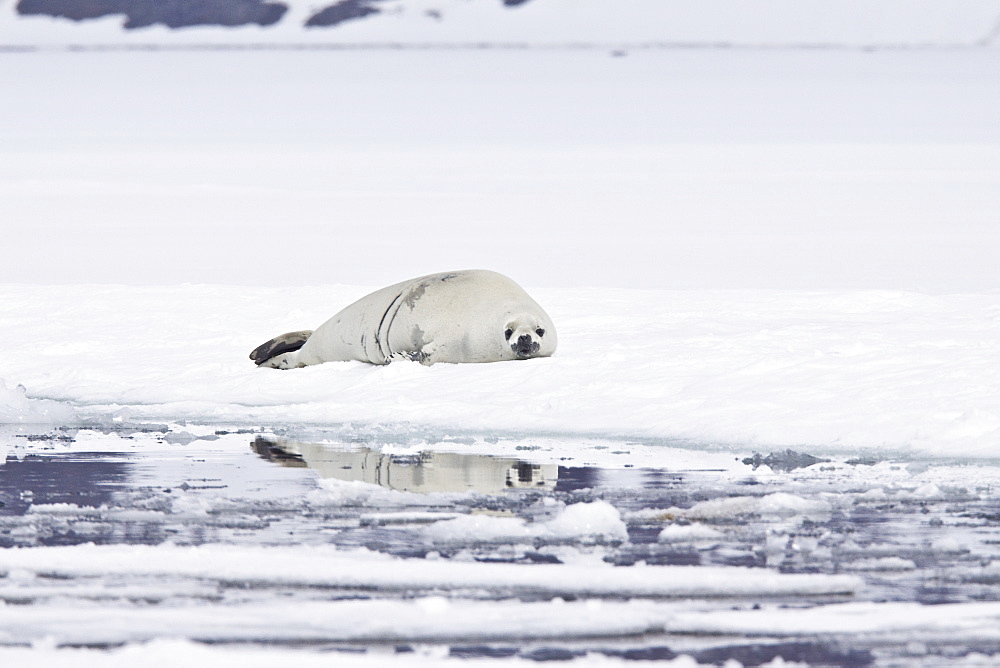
point(259, 489)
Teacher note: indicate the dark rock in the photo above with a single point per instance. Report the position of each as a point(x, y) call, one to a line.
point(346, 10)
point(171, 13)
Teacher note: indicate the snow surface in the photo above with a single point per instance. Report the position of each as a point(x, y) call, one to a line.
point(745, 250)
point(848, 372)
point(830, 217)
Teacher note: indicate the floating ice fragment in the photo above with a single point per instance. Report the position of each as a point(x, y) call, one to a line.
point(948, 545)
point(433, 604)
point(24, 531)
point(61, 509)
point(479, 528)
point(679, 533)
point(928, 491)
point(85, 528)
point(329, 567)
point(597, 518)
point(20, 575)
point(883, 564)
point(965, 620)
point(779, 504)
point(597, 521)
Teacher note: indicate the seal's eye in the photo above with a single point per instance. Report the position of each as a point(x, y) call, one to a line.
point(508, 333)
point(540, 331)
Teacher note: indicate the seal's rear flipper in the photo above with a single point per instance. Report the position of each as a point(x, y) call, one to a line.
point(286, 343)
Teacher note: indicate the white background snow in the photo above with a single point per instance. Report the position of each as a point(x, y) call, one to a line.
point(757, 225)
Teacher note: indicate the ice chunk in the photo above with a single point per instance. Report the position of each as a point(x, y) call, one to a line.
point(16, 407)
point(686, 533)
point(597, 521)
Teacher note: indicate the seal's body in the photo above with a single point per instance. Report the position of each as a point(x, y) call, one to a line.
point(459, 316)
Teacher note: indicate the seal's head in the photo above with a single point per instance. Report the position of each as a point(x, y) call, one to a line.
point(526, 338)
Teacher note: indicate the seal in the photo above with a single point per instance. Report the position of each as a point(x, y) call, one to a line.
point(459, 316)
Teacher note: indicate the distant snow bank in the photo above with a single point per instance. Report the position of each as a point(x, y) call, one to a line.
point(705, 23)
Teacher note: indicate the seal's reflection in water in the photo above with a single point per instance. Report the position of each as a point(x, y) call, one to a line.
point(424, 472)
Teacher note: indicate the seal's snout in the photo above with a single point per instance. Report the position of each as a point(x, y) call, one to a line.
point(525, 346)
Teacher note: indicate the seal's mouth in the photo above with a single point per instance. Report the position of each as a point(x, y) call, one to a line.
point(525, 347)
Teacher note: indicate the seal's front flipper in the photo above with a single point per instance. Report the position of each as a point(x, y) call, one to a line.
point(415, 356)
point(286, 343)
